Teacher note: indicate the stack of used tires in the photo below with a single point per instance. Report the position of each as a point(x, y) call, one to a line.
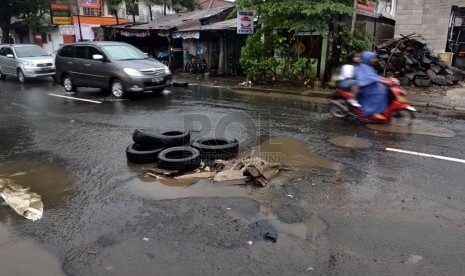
point(172, 152)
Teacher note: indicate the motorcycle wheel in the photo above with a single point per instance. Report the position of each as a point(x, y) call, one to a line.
point(403, 117)
point(336, 111)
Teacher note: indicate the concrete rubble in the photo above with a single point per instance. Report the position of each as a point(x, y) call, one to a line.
point(248, 170)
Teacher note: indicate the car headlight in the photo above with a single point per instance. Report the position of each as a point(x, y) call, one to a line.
point(28, 63)
point(167, 70)
point(133, 72)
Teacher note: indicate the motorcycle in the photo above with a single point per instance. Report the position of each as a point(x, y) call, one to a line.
point(163, 57)
point(398, 106)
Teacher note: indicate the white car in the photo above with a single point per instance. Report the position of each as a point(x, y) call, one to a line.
point(25, 61)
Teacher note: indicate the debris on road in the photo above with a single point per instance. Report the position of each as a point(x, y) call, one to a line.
point(227, 173)
point(247, 170)
point(264, 230)
point(22, 200)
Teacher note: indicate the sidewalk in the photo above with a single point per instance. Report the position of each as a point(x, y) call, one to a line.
point(446, 100)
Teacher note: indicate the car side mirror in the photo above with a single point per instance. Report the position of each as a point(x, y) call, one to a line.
point(97, 57)
point(10, 56)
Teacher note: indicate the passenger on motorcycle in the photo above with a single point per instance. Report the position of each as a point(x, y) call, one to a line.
point(372, 90)
point(346, 79)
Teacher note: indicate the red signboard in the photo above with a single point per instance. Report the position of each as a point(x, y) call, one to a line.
point(366, 5)
point(94, 4)
point(60, 14)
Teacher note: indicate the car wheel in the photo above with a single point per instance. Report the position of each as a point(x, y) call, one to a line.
point(165, 139)
point(21, 77)
point(179, 158)
point(117, 89)
point(68, 84)
point(136, 153)
point(2, 76)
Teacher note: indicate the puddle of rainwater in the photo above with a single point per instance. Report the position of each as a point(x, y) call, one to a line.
point(350, 142)
point(300, 231)
point(286, 151)
point(25, 257)
point(50, 180)
point(418, 127)
point(294, 154)
point(172, 189)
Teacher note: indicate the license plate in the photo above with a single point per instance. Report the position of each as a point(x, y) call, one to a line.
point(156, 80)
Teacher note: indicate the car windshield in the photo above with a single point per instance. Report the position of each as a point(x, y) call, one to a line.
point(123, 52)
point(30, 51)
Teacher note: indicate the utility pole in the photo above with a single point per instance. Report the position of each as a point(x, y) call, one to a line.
point(79, 20)
point(352, 27)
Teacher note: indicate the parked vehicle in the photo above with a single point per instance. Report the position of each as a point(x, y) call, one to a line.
point(196, 64)
point(25, 61)
point(117, 66)
point(398, 106)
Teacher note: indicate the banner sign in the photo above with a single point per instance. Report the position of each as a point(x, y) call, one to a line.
point(60, 14)
point(66, 30)
point(244, 22)
point(94, 4)
point(366, 5)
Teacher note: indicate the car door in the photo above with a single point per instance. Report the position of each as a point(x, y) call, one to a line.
point(97, 70)
point(77, 70)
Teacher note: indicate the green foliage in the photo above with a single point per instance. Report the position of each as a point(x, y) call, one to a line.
point(254, 60)
point(286, 18)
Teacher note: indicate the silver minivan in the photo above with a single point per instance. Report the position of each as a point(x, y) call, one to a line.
point(25, 61)
point(114, 66)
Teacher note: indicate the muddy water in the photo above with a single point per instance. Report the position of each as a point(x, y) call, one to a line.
point(25, 257)
point(284, 150)
point(150, 187)
point(350, 142)
point(50, 180)
point(418, 127)
point(293, 153)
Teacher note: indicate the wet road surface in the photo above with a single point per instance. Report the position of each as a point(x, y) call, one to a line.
point(349, 207)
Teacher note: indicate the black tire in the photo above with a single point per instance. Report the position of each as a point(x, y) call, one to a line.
point(336, 110)
point(403, 117)
point(21, 77)
point(179, 158)
point(138, 154)
point(2, 76)
point(167, 139)
point(180, 83)
point(68, 84)
point(212, 149)
point(117, 89)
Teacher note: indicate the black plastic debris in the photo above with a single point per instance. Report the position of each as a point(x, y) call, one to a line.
point(265, 231)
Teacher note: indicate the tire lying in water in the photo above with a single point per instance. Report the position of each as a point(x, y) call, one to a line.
point(167, 139)
point(179, 158)
point(179, 83)
point(136, 153)
point(213, 149)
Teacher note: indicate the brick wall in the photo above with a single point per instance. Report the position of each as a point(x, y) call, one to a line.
point(429, 18)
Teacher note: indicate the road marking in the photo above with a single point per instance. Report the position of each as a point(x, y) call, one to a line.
point(427, 155)
point(73, 98)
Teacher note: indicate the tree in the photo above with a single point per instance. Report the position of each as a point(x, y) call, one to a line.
point(277, 34)
point(32, 11)
point(113, 8)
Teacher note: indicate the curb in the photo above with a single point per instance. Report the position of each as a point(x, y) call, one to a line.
point(452, 111)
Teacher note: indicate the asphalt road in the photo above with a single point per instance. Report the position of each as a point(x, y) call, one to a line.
point(349, 207)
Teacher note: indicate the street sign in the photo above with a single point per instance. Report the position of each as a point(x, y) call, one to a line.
point(244, 22)
point(66, 30)
point(94, 4)
point(60, 14)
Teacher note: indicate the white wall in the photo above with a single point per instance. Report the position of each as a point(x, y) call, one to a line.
point(53, 45)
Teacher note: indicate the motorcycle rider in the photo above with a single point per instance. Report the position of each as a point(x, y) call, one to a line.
point(372, 90)
point(346, 78)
